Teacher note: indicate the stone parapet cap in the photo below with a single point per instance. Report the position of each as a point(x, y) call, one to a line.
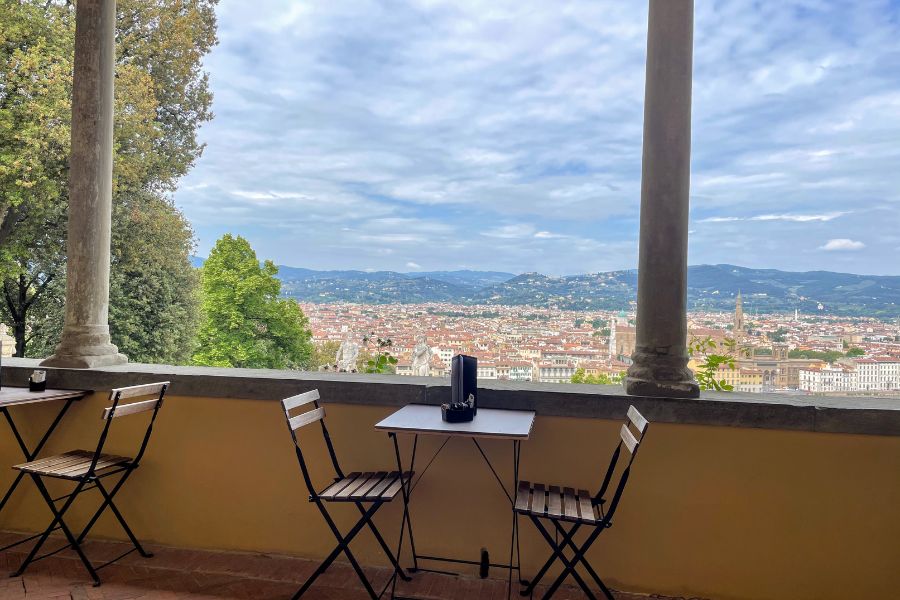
point(824, 414)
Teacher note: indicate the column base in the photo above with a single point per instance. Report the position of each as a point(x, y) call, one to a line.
point(660, 374)
point(85, 347)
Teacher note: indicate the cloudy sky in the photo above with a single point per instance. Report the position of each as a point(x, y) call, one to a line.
point(506, 134)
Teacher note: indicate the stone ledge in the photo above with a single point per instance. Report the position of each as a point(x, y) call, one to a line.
point(861, 415)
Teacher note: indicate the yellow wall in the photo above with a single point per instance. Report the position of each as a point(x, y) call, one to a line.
point(713, 512)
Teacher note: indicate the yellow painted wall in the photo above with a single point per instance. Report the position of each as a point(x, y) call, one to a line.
point(712, 512)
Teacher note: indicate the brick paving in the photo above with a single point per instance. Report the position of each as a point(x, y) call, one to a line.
point(178, 573)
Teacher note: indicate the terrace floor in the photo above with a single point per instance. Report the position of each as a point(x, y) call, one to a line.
point(178, 573)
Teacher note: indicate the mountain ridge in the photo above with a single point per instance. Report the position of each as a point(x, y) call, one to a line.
point(710, 287)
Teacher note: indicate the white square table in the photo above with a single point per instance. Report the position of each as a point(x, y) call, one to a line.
point(489, 423)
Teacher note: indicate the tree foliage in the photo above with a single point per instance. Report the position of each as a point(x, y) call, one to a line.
point(244, 321)
point(162, 98)
point(154, 303)
point(828, 356)
point(711, 357)
point(600, 378)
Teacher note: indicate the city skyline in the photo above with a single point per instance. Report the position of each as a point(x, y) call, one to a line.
point(339, 144)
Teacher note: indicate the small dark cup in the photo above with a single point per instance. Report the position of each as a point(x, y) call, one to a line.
point(39, 386)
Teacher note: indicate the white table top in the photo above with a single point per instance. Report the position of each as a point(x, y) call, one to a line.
point(488, 423)
point(14, 396)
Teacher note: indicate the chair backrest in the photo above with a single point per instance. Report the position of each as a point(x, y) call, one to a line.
point(154, 391)
point(631, 436)
point(311, 413)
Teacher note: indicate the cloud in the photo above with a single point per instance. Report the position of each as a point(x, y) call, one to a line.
point(842, 244)
point(413, 265)
point(433, 128)
point(823, 218)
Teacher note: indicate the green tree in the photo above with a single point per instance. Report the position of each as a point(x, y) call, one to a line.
point(154, 300)
point(378, 359)
point(828, 356)
point(162, 98)
point(853, 352)
point(600, 378)
point(244, 322)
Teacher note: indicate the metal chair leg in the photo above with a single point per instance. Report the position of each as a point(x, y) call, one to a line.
point(343, 546)
point(390, 555)
point(115, 510)
point(568, 566)
point(554, 556)
point(58, 519)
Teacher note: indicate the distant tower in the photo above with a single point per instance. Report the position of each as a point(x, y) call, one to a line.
point(796, 314)
point(612, 339)
point(738, 317)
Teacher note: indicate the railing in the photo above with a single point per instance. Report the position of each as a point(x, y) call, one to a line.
point(731, 497)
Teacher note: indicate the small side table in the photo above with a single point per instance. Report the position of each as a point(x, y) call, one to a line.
point(422, 419)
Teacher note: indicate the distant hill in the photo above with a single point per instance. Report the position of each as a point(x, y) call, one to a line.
point(710, 287)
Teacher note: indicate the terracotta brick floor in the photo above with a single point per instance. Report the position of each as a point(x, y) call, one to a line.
point(177, 573)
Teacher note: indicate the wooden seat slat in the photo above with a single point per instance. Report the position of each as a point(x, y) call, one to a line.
point(382, 485)
point(364, 489)
point(523, 496)
point(130, 409)
point(570, 505)
point(135, 391)
point(586, 508)
point(392, 490)
point(337, 486)
point(554, 502)
point(71, 464)
point(353, 486)
point(539, 500)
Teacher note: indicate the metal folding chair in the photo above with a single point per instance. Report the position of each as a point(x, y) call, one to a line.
point(372, 488)
point(565, 505)
point(87, 470)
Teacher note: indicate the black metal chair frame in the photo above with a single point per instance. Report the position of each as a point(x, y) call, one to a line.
point(565, 538)
point(92, 479)
point(317, 413)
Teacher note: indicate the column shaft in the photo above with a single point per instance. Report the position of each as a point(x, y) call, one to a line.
point(660, 357)
point(85, 338)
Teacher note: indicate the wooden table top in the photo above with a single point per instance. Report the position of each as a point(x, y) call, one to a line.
point(488, 423)
point(14, 396)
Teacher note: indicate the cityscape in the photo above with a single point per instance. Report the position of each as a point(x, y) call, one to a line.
point(792, 353)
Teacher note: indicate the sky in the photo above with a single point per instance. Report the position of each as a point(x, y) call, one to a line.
point(506, 134)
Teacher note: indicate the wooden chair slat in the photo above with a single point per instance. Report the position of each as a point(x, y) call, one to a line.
point(130, 409)
point(585, 508)
point(570, 505)
point(51, 460)
point(337, 486)
point(539, 500)
point(523, 496)
point(629, 438)
point(306, 418)
point(353, 486)
point(382, 485)
point(364, 489)
point(133, 391)
point(392, 489)
point(640, 423)
point(299, 400)
point(554, 502)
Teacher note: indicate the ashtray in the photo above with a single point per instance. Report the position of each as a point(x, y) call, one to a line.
point(457, 415)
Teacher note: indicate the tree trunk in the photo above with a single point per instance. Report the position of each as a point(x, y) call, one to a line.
point(19, 324)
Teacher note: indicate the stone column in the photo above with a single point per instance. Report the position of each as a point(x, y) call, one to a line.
point(85, 338)
point(660, 356)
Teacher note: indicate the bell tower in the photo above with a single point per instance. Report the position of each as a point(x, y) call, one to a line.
point(739, 317)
